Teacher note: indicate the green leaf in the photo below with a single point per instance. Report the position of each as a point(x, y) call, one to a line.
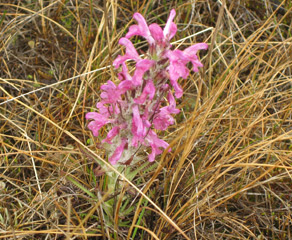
point(80, 186)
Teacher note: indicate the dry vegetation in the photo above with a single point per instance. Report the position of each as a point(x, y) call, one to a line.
point(229, 174)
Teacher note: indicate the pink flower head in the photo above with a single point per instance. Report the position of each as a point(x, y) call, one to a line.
point(138, 104)
point(141, 29)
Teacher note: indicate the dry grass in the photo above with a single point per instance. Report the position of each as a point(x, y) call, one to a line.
point(229, 174)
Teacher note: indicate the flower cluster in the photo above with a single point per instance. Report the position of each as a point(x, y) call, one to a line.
point(143, 101)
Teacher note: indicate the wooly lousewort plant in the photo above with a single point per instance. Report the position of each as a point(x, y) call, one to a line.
point(143, 102)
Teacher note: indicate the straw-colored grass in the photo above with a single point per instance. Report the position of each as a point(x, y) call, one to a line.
point(229, 175)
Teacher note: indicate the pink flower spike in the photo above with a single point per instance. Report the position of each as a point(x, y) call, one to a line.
point(170, 28)
point(141, 29)
point(141, 67)
point(118, 152)
point(144, 100)
point(131, 53)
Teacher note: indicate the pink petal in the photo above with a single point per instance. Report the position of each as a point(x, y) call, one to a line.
point(94, 128)
point(108, 86)
point(118, 152)
point(145, 118)
point(130, 49)
point(155, 144)
point(102, 109)
point(191, 54)
point(119, 60)
point(171, 99)
point(134, 30)
point(124, 74)
point(156, 32)
point(192, 50)
point(141, 67)
point(149, 90)
point(107, 110)
point(141, 21)
point(170, 28)
point(135, 141)
point(172, 104)
point(110, 93)
point(172, 31)
point(125, 86)
point(196, 63)
point(153, 139)
point(177, 70)
point(131, 53)
point(95, 116)
point(151, 156)
point(177, 64)
point(163, 119)
point(141, 29)
point(137, 122)
point(111, 134)
point(177, 88)
point(99, 121)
